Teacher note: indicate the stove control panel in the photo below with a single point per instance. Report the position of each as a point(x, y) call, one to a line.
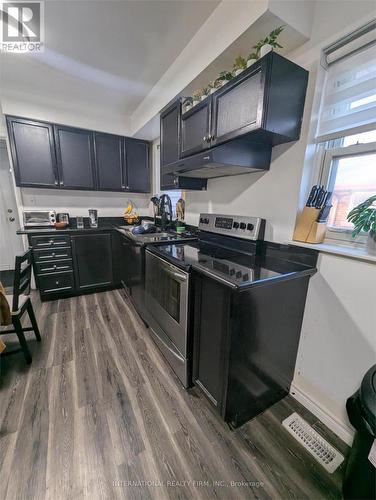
point(249, 228)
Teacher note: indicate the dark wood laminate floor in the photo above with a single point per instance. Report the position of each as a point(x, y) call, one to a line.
point(99, 414)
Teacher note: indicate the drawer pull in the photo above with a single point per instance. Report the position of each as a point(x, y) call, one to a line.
point(51, 242)
point(56, 282)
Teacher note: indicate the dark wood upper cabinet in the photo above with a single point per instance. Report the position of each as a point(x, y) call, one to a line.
point(170, 121)
point(33, 153)
point(92, 256)
point(264, 103)
point(137, 166)
point(238, 108)
point(58, 156)
point(195, 129)
point(109, 162)
point(170, 133)
point(260, 108)
point(75, 157)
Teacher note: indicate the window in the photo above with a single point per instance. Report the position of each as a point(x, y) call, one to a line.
point(346, 135)
point(349, 171)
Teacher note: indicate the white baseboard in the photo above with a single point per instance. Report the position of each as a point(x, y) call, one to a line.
point(339, 428)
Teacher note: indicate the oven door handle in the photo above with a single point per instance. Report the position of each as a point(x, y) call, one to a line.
point(169, 269)
point(176, 275)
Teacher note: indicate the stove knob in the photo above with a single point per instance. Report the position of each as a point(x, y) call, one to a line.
point(245, 277)
point(206, 221)
point(250, 227)
point(235, 225)
point(243, 225)
point(239, 274)
point(232, 272)
point(201, 220)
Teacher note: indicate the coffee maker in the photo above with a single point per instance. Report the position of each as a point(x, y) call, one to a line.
point(93, 217)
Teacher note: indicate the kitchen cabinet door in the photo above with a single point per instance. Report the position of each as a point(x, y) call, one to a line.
point(170, 133)
point(75, 157)
point(92, 256)
point(109, 162)
point(212, 303)
point(238, 107)
point(195, 128)
point(33, 153)
point(137, 166)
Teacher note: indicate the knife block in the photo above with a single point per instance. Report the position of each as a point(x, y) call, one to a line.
point(307, 229)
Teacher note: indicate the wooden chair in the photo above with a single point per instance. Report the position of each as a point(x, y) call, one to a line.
point(20, 302)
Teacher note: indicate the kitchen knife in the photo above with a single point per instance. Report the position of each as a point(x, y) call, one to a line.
point(311, 196)
point(324, 213)
point(320, 198)
point(327, 198)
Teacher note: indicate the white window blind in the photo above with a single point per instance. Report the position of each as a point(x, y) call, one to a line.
point(348, 103)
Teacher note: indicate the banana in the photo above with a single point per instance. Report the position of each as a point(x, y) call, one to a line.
point(129, 209)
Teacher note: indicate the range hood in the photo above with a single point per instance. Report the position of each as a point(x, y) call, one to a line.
point(233, 158)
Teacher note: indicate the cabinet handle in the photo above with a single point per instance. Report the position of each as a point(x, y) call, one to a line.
point(61, 183)
point(56, 183)
point(126, 187)
point(53, 254)
point(175, 182)
point(205, 138)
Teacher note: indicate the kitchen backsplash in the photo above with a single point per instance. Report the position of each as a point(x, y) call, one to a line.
point(78, 202)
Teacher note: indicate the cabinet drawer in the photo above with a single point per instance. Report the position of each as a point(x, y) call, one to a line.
point(50, 241)
point(52, 254)
point(58, 282)
point(53, 266)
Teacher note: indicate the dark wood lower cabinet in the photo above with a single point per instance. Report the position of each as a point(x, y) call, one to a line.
point(245, 344)
point(92, 254)
point(73, 264)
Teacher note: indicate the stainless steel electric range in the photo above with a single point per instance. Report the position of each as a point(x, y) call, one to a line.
point(200, 293)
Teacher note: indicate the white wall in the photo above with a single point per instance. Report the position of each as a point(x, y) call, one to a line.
point(78, 202)
point(338, 341)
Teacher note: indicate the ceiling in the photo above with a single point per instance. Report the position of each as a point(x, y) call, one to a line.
point(107, 54)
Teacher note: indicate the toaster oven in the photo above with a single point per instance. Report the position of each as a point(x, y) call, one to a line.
point(32, 218)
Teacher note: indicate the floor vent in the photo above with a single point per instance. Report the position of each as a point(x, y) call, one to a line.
point(320, 449)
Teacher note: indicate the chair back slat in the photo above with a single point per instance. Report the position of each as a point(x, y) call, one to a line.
point(22, 277)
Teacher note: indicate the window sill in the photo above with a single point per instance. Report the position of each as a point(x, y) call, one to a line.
point(353, 252)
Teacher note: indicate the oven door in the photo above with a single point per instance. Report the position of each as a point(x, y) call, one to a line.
point(166, 296)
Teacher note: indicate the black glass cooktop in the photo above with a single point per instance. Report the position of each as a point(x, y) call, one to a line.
point(231, 267)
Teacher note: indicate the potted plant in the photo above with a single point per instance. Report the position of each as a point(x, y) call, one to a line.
point(205, 92)
point(224, 77)
point(214, 85)
point(187, 103)
point(363, 217)
point(269, 43)
point(196, 98)
point(251, 59)
point(239, 65)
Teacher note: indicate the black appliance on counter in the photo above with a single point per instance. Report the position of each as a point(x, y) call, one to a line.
point(243, 301)
point(63, 217)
